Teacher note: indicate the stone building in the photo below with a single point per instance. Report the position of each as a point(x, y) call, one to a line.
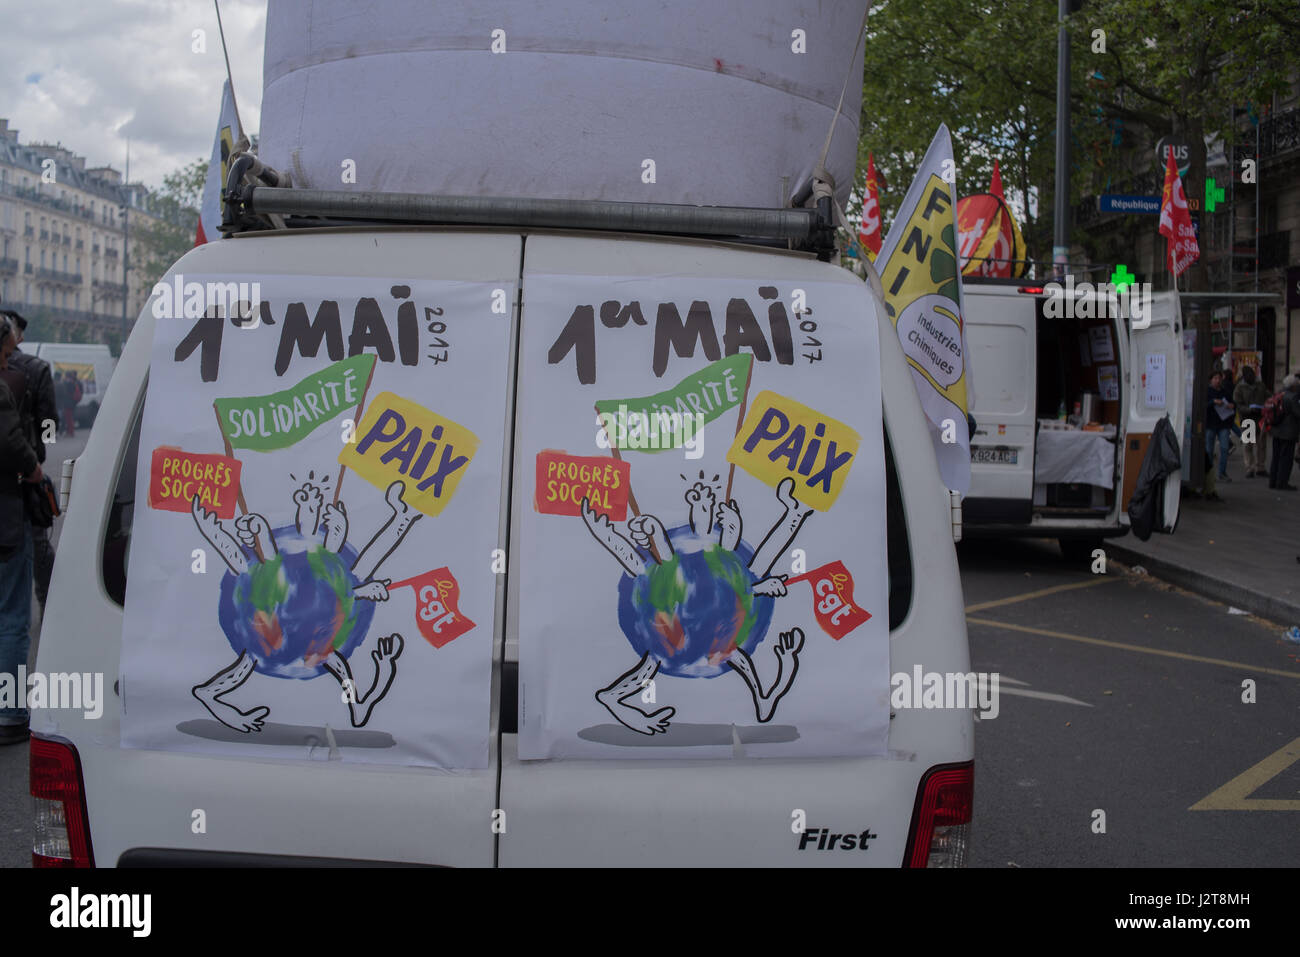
point(63, 241)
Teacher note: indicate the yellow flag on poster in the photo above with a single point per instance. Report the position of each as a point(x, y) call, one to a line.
point(782, 438)
point(918, 268)
point(399, 440)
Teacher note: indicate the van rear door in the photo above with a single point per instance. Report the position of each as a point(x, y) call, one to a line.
point(293, 791)
point(1155, 390)
point(1001, 335)
point(710, 792)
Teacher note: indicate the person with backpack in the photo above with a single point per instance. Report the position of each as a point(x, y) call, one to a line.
point(1249, 396)
point(40, 418)
point(1286, 431)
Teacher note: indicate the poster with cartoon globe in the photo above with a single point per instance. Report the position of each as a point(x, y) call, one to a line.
point(317, 504)
point(699, 493)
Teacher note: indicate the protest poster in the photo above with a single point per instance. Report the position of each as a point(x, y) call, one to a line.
point(319, 479)
point(667, 618)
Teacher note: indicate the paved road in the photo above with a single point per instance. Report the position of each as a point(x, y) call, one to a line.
point(1154, 727)
point(15, 800)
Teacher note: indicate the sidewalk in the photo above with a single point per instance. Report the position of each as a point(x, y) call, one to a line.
point(1241, 551)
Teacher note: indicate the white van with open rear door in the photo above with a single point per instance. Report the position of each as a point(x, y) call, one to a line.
point(1066, 398)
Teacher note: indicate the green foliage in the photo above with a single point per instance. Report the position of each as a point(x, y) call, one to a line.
point(158, 243)
point(989, 72)
point(1176, 68)
point(964, 64)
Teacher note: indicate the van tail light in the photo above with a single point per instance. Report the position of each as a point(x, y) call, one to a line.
point(940, 833)
point(1032, 290)
point(61, 826)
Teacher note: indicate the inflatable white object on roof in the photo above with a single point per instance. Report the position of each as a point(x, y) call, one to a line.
point(585, 92)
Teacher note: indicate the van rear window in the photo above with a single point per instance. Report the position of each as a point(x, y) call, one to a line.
point(900, 556)
point(117, 532)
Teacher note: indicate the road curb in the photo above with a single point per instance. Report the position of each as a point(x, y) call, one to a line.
point(1256, 602)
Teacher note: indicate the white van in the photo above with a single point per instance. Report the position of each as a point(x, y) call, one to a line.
point(104, 798)
point(1064, 410)
point(92, 363)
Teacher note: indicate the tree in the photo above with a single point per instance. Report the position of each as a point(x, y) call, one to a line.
point(160, 240)
point(964, 64)
point(1175, 69)
point(989, 72)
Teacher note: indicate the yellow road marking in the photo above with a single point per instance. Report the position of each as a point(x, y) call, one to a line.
point(1099, 580)
point(1235, 665)
point(1235, 795)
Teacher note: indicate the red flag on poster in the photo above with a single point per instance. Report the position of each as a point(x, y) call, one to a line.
point(437, 614)
point(1176, 221)
point(869, 231)
point(209, 227)
point(833, 603)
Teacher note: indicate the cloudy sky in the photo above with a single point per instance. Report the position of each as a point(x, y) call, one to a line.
point(92, 74)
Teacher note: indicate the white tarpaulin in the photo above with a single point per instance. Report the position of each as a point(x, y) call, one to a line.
point(1067, 455)
point(701, 511)
point(317, 499)
point(562, 100)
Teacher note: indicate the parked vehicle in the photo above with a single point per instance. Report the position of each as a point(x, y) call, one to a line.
point(93, 365)
point(1064, 410)
point(383, 338)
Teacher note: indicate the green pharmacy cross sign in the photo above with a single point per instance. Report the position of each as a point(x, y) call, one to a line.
point(1121, 278)
point(1213, 194)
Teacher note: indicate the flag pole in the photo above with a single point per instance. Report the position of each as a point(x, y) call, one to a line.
point(740, 420)
point(230, 77)
point(631, 495)
point(239, 494)
point(356, 421)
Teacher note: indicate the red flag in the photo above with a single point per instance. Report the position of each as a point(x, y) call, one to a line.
point(833, 604)
point(1176, 221)
point(436, 613)
point(228, 132)
point(869, 231)
point(996, 186)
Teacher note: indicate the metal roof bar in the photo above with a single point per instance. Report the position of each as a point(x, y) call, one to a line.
point(798, 225)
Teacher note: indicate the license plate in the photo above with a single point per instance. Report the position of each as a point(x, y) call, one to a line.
point(995, 456)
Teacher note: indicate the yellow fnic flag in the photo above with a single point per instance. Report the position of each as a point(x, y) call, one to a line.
point(782, 438)
point(399, 440)
point(918, 268)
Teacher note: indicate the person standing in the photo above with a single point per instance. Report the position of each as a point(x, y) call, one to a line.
point(1249, 396)
point(1285, 433)
point(1218, 420)
point(17, 464)
point(41, 417)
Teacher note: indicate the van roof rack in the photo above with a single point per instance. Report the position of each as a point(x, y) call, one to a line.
point(253, 207)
